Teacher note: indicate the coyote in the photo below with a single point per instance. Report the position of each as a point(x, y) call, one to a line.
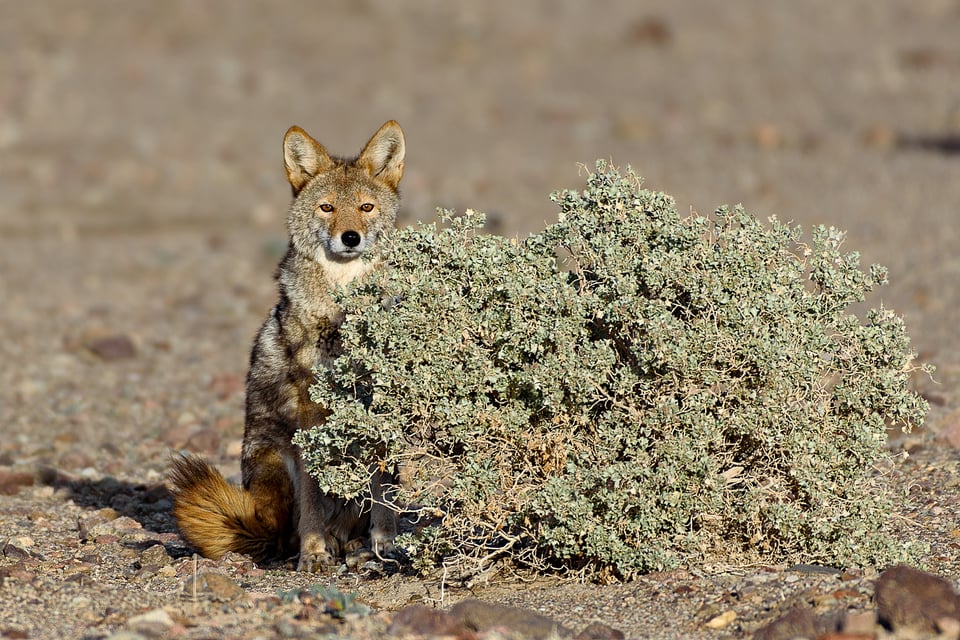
point(341, 207)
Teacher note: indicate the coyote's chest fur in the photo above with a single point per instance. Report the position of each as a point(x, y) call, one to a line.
point(312, 317)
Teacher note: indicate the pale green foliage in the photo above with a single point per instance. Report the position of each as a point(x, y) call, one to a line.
point(677, 390)
point(329, 599)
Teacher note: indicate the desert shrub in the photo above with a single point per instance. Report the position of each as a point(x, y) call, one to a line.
point(669, 390)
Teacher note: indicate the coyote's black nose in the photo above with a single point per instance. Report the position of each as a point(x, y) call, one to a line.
point(350, 238)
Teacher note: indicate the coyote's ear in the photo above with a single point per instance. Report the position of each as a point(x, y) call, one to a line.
point(383, 155)
point(303, 158)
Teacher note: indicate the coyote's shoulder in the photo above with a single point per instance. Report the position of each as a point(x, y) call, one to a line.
point(341, 208)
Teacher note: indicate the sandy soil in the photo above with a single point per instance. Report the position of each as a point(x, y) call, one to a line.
point(141, 213)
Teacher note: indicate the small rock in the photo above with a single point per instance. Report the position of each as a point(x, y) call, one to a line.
point(924, 58)
point(234, 448)
point(19, 572)
point(152, 624)
point(167, 571)
point(864, 622)
point(155, 555)
point(203, 440)
point(908, 598)
point(880, 137)
point(651, 31)
point(767, 136)
point(599, 631)
point(177, 436)
point(110, 348)
point(851, 574)
point(85, 524)
point(213, 586)
point(949, 432)
point(842, 594)
point(75, 458)
point(797, 623)
point(480, 616)
point(722, 620)
point(14, 552)
point(122, 528)
point(418, 620)
point(12, 481)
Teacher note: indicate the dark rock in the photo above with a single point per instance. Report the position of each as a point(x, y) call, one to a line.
point(650, 31)
point(800, 622)
point(13, 552)
point(481, 616)
point(109, 348)
point(12, 481)
point(916, 600)
point(418, 620)
point(599, 631)
point(19, 572)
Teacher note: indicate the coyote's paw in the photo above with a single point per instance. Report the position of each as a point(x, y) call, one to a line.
point(314, 556)
point(384, 548)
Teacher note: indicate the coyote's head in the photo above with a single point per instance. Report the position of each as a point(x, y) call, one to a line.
point(342, 205)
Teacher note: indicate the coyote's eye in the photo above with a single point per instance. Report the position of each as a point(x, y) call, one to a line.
point(326, 208)
point(366, 207)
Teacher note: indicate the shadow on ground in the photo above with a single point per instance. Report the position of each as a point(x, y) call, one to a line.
point(948, 144)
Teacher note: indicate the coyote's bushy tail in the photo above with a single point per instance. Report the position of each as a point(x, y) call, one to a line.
point(216, 516)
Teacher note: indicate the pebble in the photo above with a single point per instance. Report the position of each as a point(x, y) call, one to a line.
point(123, 528)
point(880, 137)
point(722, 620)
point(796, 623)
point(863, 622)
point(419, 620)
point(481, 616)
point(213, 586)
point(155, 555)
point(650, 31)
point(204, 440)
point(476, 615)
point(233, 448)
point(152, 624)
point(111, 348)
point(767, 136)
point(12, 481)
point(14, 552)
point(949, 432)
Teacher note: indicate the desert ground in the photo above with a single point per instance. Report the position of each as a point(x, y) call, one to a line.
point(142, 205)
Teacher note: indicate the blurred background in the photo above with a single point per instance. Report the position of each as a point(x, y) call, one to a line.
point(140, 143)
